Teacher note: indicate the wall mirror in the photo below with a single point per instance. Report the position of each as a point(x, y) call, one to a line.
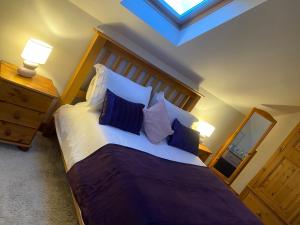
point(241, 146)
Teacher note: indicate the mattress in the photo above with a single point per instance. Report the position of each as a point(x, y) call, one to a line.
point(80, 135)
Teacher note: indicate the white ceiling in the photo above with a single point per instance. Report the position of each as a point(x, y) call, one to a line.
point(253, 60)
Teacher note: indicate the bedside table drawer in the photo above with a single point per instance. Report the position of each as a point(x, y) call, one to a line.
point(203, 152)
point(23, 97)
point(15, 133)
point(21, 116)
point(203, 155)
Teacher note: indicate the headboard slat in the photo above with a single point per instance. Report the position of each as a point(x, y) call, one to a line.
point(177, 96)
point(106, 57)
point(146, 79)
point(137, 74)
point(127, 69)
point(184, 101)
point(120, 59)
point(154, 83)
point(168, 93)
point(117, 63)
point(162, 87)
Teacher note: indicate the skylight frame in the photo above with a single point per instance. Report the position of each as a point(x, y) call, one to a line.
point(190, 16)
point(186, 12)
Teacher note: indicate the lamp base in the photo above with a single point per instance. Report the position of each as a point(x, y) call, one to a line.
point(201, 139)
point(28, 70)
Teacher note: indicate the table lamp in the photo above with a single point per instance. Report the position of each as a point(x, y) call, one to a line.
point(35, 52)
point(205, 129)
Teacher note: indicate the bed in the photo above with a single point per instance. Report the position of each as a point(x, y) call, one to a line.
point(120, 178)
point(74, 120)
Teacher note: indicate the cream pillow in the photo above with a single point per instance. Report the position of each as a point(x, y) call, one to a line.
point(157, 124)
point(184, 117)
point(91, 88)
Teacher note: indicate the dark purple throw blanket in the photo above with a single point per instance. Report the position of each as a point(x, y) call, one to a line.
point(117, 185)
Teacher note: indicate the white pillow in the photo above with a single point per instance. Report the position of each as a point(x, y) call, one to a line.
point(184, 117)
point(91, 89)
point(118, 84)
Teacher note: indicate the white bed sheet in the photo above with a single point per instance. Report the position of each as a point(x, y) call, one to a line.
point(80, 135)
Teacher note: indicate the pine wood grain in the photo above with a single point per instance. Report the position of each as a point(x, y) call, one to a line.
point(18, 95)
point(277, 184)
point(39, 84)
point(203, 152)
point(19, 115)
point(24, 102)
point(17, 134)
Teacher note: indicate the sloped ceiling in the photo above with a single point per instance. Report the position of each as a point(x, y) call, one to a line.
point(253, 60)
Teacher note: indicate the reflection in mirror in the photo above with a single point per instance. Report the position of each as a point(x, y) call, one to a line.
point(243, 143)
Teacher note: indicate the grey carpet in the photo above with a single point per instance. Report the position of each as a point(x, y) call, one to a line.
point(33, 186)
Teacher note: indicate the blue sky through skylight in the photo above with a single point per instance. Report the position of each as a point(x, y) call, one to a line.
point(182, 6)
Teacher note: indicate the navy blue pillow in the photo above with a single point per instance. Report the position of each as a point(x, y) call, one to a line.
point(120, 113)
point(184, 138)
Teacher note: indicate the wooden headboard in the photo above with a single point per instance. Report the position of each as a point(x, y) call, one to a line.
point(108, 52)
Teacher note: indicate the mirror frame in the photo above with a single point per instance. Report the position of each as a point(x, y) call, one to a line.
point(251, 153)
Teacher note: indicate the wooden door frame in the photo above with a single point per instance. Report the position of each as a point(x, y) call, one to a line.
point(251, 154)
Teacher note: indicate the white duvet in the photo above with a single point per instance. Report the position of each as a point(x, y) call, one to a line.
point(80, 135)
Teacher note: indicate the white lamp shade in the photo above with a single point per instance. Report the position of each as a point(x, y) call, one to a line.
point(36, 51)
point(205, 129)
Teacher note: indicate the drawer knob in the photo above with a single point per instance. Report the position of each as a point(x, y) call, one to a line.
point(7, 132)
point(11, 94)
point(17, 115)
point(24, 99)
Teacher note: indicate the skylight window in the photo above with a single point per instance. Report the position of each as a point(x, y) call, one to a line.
point(183, 12)
point(182, 6)
point(180, 21)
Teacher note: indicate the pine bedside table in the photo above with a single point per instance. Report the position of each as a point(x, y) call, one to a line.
point(24, 103)
point(203, 152)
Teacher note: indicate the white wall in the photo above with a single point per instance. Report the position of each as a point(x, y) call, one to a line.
point(223, 117)
point(284, 126)
point(68, 29)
